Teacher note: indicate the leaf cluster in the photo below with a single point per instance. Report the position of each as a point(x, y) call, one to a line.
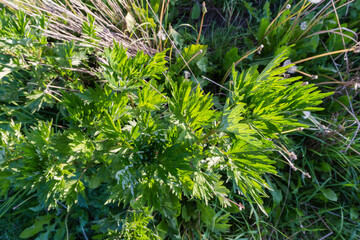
point(131, 149)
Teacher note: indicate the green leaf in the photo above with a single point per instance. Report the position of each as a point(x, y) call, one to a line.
point(268, 98)
point(150, 98)
point(74, 188)
point(230, 57)
point(231, 123)
point(190, 55)
point(325, 167)
point(202, 64)
point(265, 22)
point(123, 72)
point(60, 232)
point(217, 222)
point(329, 194)
point(354, 214)
point(155, 4)
point(195, 11)
point(185, 214)
point(89, 29)
point(162, 228)
point(37, 227)
point(276, 193)
point(192, 108)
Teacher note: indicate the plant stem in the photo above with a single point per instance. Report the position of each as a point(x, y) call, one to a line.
point(187, 63)
point(202, 22)
point(323, 55)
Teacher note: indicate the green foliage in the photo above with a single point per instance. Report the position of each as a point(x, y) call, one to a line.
point(37, 227)
point(89, 29)
point(269, 98)
point(117, 141)
point(96, 144)
point(193, 57)
point(122, 72)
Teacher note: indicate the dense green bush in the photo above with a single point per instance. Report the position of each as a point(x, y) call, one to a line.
point(101, 143)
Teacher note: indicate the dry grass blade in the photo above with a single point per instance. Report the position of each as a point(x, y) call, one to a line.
point(66, 21)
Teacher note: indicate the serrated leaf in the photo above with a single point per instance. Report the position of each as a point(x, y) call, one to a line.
point(37, 227)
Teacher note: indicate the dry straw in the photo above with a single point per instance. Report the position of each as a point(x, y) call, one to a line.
point(66, 21)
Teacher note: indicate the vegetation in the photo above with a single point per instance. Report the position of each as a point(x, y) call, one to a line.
point(179, 119)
